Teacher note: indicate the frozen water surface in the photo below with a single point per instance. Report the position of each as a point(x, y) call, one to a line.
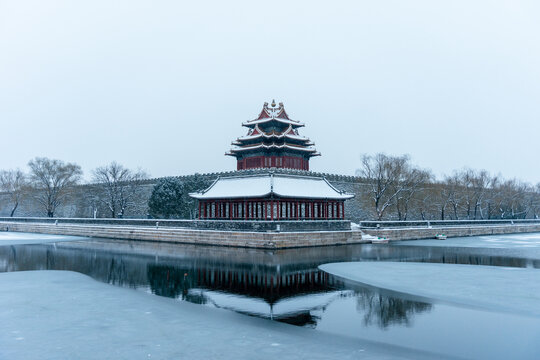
point(66, 315)
point(283, 285)
point(17, 238)
point(513, 241)
point(491, 287)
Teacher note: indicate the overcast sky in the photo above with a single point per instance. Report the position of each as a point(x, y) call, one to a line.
point(165, 85)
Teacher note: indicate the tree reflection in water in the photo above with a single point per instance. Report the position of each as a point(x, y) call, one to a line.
point(284, 285)
point(384, 310)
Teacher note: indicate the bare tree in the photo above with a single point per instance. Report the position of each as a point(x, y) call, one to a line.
point(15, 184)
point(52, 180)
point(120, 187)
point(454, 193)
point(535, 201)
point(383, 174)
point(480, 181)
point(472, 188)
point(411, 182)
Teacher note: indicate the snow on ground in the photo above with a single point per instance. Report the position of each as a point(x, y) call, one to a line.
point(67, 315)
point(19, 238)
point(493, 288)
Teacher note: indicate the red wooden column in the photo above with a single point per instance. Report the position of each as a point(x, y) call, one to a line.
point(328, 209)
point(288, 206)
point(296, 210)
point(245, 210)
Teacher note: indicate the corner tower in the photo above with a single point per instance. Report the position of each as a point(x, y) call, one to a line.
point(273, 141)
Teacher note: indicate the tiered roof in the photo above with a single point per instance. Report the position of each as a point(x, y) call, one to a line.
point(273, 130)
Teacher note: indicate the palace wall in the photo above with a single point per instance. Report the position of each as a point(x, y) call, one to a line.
point(81, 202)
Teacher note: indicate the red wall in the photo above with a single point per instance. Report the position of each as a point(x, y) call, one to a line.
point(288, 162)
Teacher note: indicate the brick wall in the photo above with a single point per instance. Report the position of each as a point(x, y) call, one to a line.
point(79, 204)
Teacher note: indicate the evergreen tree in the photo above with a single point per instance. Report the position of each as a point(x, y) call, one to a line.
point(170, 197)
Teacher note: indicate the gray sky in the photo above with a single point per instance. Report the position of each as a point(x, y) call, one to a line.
point(165, 85)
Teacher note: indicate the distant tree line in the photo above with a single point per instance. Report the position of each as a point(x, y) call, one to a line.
point(389, 188)
point(395, 189)
point(113, 190)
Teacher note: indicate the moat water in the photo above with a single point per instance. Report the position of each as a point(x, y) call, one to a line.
point(287, 286)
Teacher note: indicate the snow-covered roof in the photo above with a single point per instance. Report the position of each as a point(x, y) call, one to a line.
point(273, 112)
point(275, 146)
point(282, 308)
point(274, 135)
point(280, 185)
point(284, 121)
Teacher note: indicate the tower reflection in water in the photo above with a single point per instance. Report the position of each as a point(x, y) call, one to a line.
point(283, 285)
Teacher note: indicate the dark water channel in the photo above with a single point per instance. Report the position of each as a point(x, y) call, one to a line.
point(287, 286)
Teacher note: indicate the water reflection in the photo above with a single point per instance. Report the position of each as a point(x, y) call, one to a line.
point(384, 310)
point(283, 285)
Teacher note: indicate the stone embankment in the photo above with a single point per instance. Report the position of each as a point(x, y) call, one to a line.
point(265, 235)
point(251, 239)
point(416, 230)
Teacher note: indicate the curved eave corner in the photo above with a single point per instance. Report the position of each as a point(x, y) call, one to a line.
point(345, 195)
point(200, 195)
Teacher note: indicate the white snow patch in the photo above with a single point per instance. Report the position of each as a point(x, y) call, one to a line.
point(491, 287)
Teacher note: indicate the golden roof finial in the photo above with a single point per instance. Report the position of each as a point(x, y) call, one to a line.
point(273, 103)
